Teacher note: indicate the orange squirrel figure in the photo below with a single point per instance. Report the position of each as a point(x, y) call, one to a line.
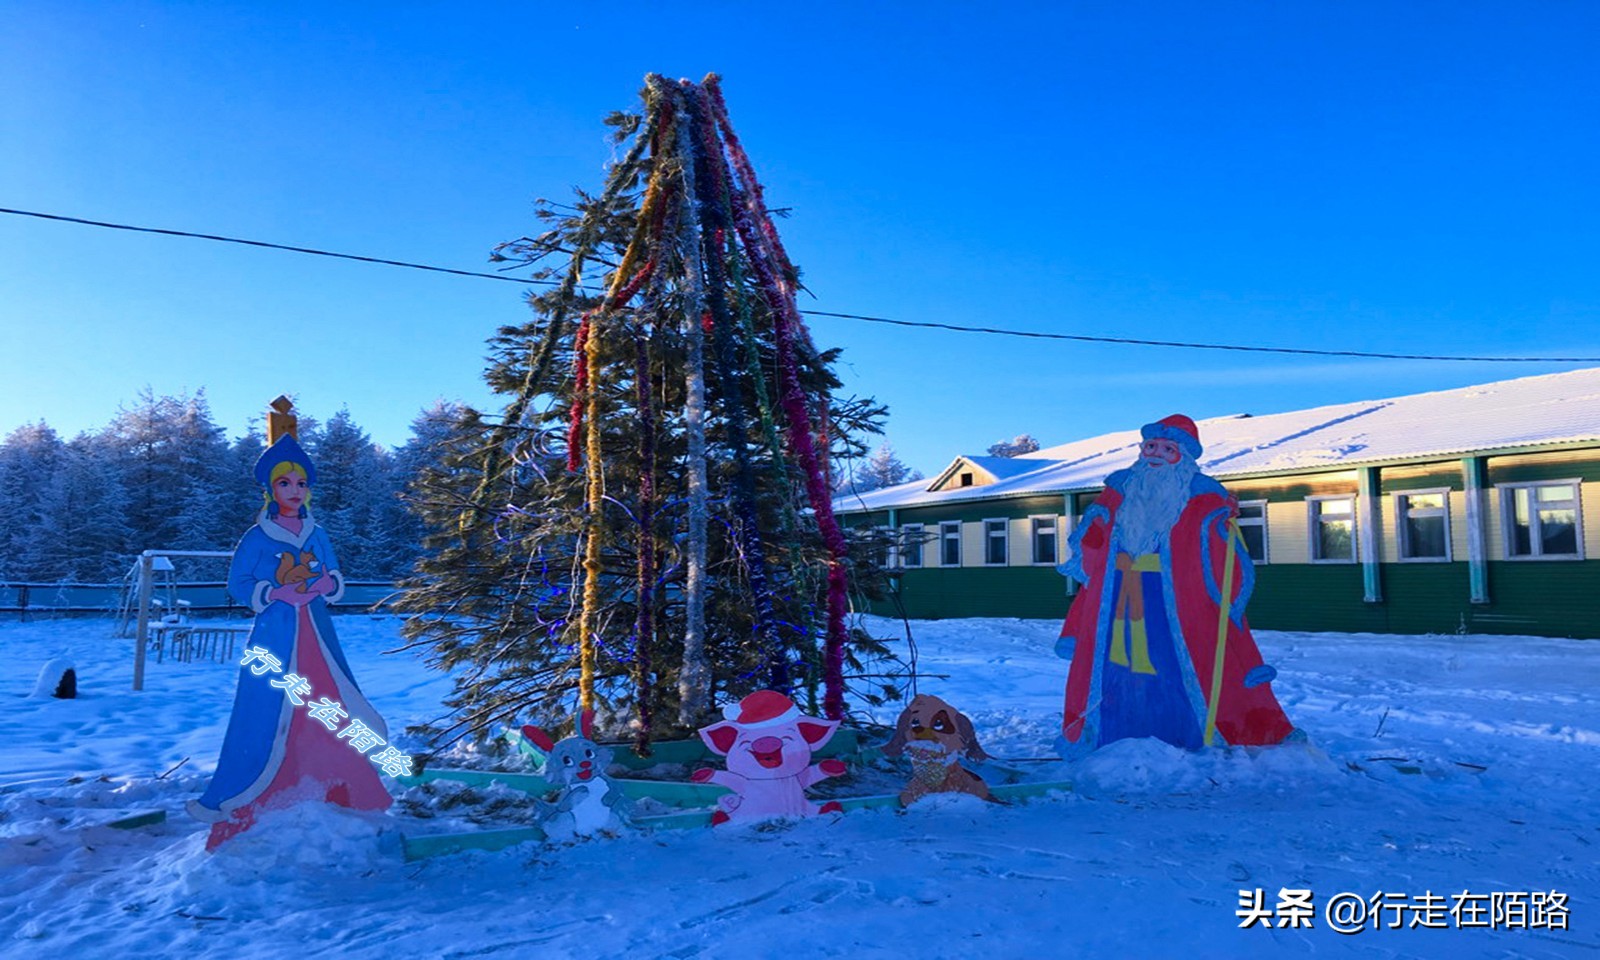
point(297, 573)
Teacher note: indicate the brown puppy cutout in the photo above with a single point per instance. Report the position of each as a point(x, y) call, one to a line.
point(934, 736)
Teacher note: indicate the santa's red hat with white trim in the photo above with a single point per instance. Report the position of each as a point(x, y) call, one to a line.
point(1177, 428)
point(764, 708)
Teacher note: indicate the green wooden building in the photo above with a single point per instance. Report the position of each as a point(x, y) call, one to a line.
point(1472, 510)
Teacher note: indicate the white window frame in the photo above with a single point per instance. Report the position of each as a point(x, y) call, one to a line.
point(949, 530)
point(989, 538)
point(1314, 530)
point(1508, 513)
point(890, 558)
point(910, 545)
point(1266, 541)
point(1034, 524)
point(1402, 534)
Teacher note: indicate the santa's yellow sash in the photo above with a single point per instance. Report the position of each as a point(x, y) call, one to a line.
point(1129, 610)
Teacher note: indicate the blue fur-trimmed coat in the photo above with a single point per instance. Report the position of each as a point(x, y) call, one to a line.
point(253, 748)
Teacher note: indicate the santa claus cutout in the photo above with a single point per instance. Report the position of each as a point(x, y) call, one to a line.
point(1156, 649)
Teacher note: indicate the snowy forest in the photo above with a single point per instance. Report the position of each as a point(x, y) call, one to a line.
point(164, 475)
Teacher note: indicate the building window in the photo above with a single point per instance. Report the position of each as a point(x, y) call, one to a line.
point(966, 479)
point(1253, 528)
point(1333, 529)
point(996, 542)
point(1044, 539)
point(883, 547)
point(1543, 521)
point(911, 545)
point(950, 544)
point(1422, 519)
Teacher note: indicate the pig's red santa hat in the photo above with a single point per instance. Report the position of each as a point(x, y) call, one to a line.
point(764, 708)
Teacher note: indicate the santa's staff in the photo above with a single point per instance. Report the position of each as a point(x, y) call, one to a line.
point(1223, 609)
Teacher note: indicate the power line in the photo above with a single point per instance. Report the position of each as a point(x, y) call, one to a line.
point(270, 246)
point(926, 325)
point(1242, 348)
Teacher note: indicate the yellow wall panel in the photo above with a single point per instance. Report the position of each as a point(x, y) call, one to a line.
point(1021, 550)
point(972, 544)
point(1388, 539)
point(1458, 526)
point(1495, 541)
point(1589, 505)
point(1287, 539)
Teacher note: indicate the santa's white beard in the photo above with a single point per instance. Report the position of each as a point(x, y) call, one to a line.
point(1152, 499)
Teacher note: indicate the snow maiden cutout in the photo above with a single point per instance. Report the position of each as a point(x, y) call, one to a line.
point(768, 745)
point(935, 736)
point(284, 744)
point(1156, 652)
point(587, 804)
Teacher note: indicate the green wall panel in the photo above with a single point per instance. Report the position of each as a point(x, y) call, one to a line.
point(1545, 598)
point(1551, 599)
point(1313, 597)
point(1582, 466)
point(1448, 476)
point(938, 593)
point(1288, 492)
point(984, 510)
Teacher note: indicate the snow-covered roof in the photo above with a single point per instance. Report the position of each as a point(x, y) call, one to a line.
point(1547, 410)
point(1003, 468)
point(993, 468)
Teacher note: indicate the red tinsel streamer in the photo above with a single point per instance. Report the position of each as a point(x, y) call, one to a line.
point(786, 321)
point(747, 173)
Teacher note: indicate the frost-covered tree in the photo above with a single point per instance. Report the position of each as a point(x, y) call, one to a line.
point(882, 469)
point(172, 459)
point(1023, 443)
point(81, 533)
point(353, 483)
point(30, 458)
point(400, 515)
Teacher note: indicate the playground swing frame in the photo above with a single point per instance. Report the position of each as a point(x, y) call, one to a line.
point(147, 567)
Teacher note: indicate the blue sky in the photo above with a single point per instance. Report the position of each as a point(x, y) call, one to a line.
point(1411, 178)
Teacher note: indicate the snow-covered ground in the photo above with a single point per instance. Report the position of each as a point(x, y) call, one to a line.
point(1146, 856)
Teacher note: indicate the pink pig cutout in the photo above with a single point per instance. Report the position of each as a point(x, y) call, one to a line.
point(768, 745)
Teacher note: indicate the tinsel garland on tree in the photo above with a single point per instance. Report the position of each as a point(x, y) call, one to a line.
point(657, 507)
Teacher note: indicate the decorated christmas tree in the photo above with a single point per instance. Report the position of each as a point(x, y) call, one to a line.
point(646, 529)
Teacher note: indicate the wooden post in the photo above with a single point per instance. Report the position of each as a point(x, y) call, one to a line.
point(1069, 523)
point(1474, 475)
point(895, 547)
point(142, 634)
point(1367, 533)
